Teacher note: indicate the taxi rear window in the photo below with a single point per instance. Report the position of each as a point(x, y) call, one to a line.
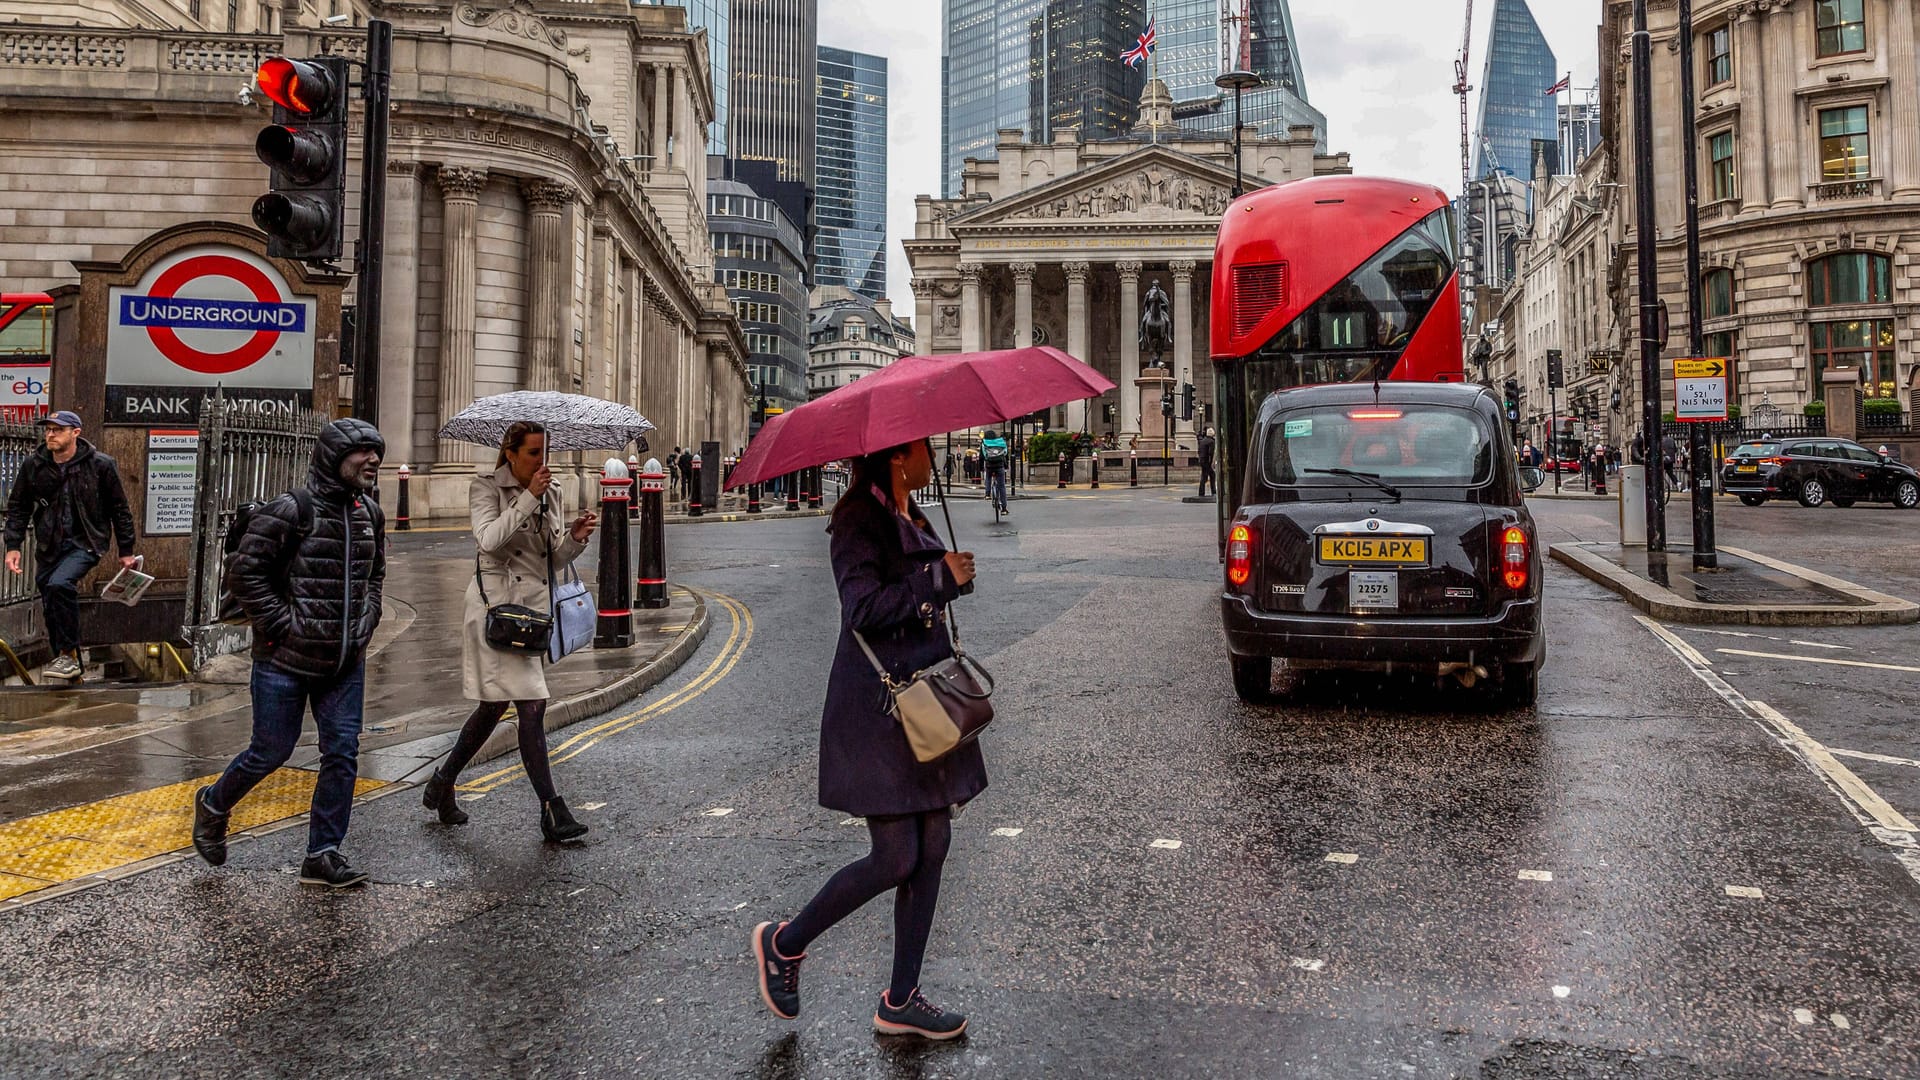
point(1405, 445)
point(1757, 449)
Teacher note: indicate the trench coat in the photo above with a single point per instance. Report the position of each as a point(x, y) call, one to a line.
point(894, 589)
point(507, 527)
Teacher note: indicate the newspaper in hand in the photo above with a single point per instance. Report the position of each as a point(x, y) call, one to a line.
point(129, 585)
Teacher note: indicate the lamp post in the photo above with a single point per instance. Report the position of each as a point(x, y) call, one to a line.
point(1239, 82)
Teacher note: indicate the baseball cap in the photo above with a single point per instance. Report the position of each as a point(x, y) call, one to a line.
point(63, 418)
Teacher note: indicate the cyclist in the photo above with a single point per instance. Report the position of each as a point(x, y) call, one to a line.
point(994, 456)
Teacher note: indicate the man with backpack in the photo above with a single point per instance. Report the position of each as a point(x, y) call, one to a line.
point(306, 571)
point(993, 455)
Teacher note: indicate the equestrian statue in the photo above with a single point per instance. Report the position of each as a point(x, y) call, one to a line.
point(1156, 323)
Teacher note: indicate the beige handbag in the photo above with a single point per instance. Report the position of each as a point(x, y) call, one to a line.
point(943, 707)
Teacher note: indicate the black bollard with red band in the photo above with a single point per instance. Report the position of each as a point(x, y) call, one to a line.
point(1063, 471)
point(614, 628)
point(753, 498)
point(1095, 486)
point(694, 509)
point(403, 507)
point(815, 497)
point(652, 553)
point(1133, 468)
point(793, 490)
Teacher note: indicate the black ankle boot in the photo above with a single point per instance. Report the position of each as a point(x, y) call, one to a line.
point(439, 796)
point(557, 824)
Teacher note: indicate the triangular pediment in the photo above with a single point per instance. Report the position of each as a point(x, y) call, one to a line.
point(1152, 184)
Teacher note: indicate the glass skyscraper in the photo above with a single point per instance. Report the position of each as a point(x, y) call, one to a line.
point(711, 16)
point(774, 54)
point(1515, 108)
point(1194, 49)
point(850, 171)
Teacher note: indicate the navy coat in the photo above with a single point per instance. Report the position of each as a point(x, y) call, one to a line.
point(894, 589)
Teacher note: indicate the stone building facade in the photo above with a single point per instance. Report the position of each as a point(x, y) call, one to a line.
point(546, 222)
point(1057, 242)
point(1809, 164)
point(849, 336)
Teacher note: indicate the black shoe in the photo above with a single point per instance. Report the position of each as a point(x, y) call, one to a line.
point(330, 868)
point(779, 975)
point(918, 1017)
point(439, 796)
point(557, 824)
point(209, 829)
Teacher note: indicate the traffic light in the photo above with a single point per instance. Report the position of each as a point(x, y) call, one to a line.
point(1186, 401)
point(1556, 369)
point(304, 213)
point(1166, 404)
point(1513, 399)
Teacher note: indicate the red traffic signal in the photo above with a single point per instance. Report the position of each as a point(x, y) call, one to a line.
point(297, 85)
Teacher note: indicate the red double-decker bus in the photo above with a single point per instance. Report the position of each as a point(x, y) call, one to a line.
point(26, 355)
point(1333, 279)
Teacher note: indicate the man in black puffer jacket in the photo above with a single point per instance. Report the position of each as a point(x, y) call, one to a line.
point(311, 586)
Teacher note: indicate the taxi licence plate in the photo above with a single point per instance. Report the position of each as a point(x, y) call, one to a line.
point(1385, 550)
point(1373, 590)
point(1746, 468)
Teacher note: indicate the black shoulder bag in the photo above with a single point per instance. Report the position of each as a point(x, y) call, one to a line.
point(512, 627)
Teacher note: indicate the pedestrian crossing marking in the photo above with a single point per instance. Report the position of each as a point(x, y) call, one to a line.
point(1536, 875)
point(81, 841)
point(1008, 832)
point(1745, 892)
point(1168, 845)
point(718, 811)
point(1345, 858)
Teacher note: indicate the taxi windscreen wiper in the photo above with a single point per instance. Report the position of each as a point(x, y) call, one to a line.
point(1371, 478)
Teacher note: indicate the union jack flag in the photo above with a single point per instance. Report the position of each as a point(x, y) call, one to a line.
point(1563, 84)
point(1148, 40)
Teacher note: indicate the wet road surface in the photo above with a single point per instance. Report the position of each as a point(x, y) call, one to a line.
point(1367, 878)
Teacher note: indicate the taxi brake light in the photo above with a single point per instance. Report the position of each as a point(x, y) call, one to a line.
point(1514, 545)
point(1240, 555)
point(1375, 414)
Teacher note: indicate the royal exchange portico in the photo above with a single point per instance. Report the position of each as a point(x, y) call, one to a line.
point(1057, 243)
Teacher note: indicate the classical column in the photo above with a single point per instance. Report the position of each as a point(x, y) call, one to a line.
point(1784, 141)
point(970, 329)
point(400, 309)
point(460, 195)
point(1129, 346)
point(923, 315)
point(1022, 303)
point(685, 146)
point(659, 151)
point(1903, 63)
point(1077, 332)
point(1753, 114)
point(548, 270)
point(1183, 329)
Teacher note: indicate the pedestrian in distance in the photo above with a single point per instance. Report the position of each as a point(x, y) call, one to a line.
point(673, 473)
point(895, 580)
point(522, 535)
point(686, 474)
point(308, 571)
point(1206, 464)
point(949, 468)
point(1638, 451)
point(994, 455)
point(70, 495)
point(1670, 462)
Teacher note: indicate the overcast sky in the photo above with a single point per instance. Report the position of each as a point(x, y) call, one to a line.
point(1382, 71)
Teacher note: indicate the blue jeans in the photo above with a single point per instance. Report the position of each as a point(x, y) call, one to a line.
point(997, 487)
point(280, 699)
point(58, 575)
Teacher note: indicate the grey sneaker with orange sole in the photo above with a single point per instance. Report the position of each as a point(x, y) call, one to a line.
point(918, 1017)
point(779, 975)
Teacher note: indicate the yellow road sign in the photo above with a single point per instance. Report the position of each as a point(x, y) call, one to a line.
point(1700, 368)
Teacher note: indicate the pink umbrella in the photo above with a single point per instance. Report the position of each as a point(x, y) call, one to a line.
point(913, 398)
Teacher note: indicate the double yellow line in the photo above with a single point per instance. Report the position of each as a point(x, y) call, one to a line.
point(739, 636)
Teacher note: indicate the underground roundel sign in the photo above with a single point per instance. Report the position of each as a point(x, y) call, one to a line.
point(207, 316)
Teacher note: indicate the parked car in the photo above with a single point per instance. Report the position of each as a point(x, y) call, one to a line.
point(1815, 469)
point(1384, 525)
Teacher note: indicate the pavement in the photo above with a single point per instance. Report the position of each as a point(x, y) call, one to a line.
point(1693, 858)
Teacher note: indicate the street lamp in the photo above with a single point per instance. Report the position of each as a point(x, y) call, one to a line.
point(1238, 82)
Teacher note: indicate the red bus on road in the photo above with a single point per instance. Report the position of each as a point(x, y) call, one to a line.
point(1327, 280)
point(26, 355)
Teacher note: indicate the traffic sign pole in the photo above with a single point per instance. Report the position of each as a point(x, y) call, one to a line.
point(371, 252)
point(1705, 555)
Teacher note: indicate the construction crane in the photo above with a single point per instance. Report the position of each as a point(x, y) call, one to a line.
point(1461, 88)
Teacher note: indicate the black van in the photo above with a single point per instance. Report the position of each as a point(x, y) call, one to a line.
point(1814, 469)
point(1384, 525)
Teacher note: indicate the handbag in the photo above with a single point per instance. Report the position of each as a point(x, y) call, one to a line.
point(517, 628)
point(574, 614)
point(940, 708)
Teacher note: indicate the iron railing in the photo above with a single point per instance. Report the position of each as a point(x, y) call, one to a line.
point(245, 456)
point(17, 442)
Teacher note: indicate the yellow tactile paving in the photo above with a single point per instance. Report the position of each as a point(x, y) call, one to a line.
point(62, 845)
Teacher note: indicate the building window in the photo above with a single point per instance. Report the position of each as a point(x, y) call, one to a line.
point(233, 16)
point(1717, 287)
point(1844, 145)
point(1863, 344)
point(1720, 154)
point(1840, 26)
point(1855, 278)
point(1720, 55)
point(193, 9)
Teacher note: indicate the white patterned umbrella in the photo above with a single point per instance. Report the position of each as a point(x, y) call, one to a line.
point(573, 421)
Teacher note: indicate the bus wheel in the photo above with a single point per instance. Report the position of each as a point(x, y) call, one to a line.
point(1253, 678)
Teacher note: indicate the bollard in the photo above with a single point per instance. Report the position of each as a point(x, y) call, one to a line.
point(402, 517)
point(652, 556)
point(1062, 485)
point(793, 491)
point(1133, 468)
point(753, 498)
point(614, 627)
point(1096, 471)
point(633, 505)
point(815, 497)
point(694, 509)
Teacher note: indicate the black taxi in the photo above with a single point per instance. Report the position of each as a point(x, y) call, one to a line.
point(1384, 525)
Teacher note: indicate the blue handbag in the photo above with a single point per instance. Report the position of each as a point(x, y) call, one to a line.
point(574, 617)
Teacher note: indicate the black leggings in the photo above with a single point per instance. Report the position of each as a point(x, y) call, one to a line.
point(531, 717)
point(907, 855)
